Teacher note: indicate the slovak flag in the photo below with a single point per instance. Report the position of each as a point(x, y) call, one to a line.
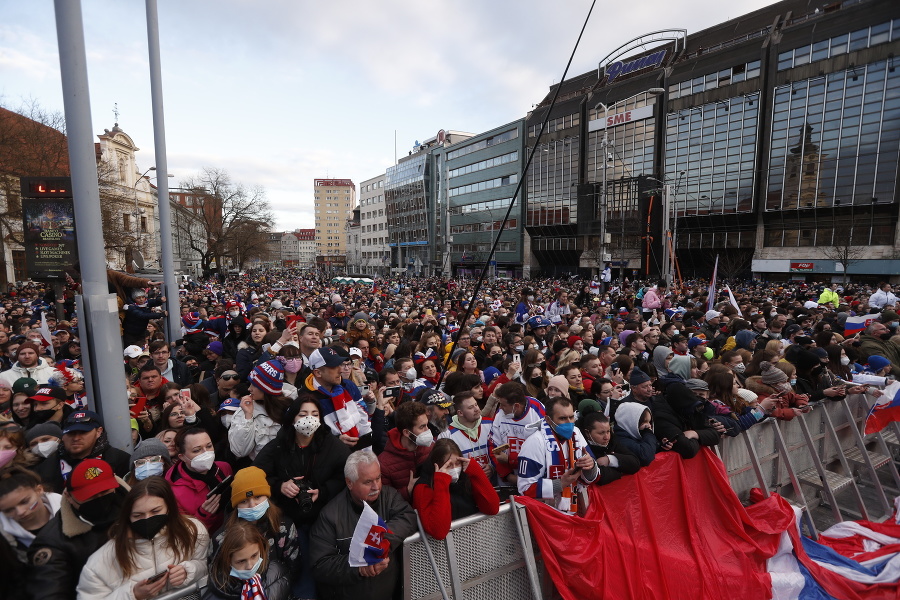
point(46, 339)
point(886, 409)
point(856, 324)
point(595, 287)
point(369, 544)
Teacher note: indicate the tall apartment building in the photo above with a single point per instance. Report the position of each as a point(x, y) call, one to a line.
point(334, 203)
point(374, 249)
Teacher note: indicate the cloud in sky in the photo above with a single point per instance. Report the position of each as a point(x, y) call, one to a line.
point(282, 92)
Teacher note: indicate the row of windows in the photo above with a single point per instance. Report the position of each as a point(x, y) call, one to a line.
point(373, 241)
point(374, 227)
point(485, 143)
point(842, 44)
point(482, 206)
point(489, 226)
point(373, 186)
point(835, 139)
point(485, 164)
point(469, 248)
point(557, 124)
point(373, 214)
point(489, 184)
point(551, 183)
point(717, 239)
point(715, 80)
point(855, 234)
point(372, 200)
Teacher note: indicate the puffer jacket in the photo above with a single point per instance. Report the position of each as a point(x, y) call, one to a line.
point(41, 372)
point(247, 437)
point(102, 576)
point(191, 493)
point(397, 462)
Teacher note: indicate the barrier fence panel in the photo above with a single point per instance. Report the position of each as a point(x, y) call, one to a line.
point(483, 558)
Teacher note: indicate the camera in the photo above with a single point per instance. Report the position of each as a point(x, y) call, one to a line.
point(303, 498)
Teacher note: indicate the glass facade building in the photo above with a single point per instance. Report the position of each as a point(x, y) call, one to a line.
point(767, 140)
point(407, 188)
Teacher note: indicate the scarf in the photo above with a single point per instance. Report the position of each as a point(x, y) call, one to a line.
point(253, 589)
point(345, 420)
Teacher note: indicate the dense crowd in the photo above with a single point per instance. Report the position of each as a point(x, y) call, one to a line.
point(294, 413)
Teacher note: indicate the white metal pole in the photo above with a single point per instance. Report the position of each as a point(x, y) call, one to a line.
point(100, 315)
point(167, 261)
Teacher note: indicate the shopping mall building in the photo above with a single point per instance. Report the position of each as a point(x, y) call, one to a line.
point(770, 141)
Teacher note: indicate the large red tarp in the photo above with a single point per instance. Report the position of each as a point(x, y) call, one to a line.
point(676, 529)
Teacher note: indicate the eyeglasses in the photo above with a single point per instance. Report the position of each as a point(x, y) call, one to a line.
point(148, 460)
point(230, 377)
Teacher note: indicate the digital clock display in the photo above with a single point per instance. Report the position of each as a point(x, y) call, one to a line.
point(46, 187)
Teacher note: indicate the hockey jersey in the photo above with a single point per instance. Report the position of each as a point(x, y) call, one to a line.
point(476, 449)
point(542, 459)
point(506, 429)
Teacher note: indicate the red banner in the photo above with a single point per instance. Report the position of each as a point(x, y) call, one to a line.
point(676, 529)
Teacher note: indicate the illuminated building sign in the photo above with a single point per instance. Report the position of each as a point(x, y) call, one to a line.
point(618, 68)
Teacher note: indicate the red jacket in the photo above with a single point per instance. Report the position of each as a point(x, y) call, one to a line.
point(433, 503)
point(397, 463)
point(191, 493)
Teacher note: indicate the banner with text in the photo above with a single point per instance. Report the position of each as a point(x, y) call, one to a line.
point(49, 228)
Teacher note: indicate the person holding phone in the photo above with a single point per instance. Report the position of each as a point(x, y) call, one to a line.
point(196, 475)
point(152, 547)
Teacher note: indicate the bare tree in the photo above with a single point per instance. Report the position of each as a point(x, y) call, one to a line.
point(732, 263)
point(225, 212)
point(844, 251)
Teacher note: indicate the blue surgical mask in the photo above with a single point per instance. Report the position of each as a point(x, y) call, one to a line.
point(255, 513)
point(246, 574)
point(148, 470)
point(564, 430)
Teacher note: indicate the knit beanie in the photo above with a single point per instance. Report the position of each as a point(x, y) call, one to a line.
point(877, 363)
point(771, 375)
point(589, 405)
point(571, 340)
point(247, 483)
point(37, 431)
point(269, 377)
point(150, 447)
point(360, 316)
point(37, 349)
point(560, 382)
point(637, 377)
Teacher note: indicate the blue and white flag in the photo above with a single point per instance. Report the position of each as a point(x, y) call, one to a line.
point(369, 544)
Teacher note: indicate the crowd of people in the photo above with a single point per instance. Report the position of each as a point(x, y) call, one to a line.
point(291, 410)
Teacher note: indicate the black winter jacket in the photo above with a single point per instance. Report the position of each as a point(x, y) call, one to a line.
point(321, 464)
point(680, 411)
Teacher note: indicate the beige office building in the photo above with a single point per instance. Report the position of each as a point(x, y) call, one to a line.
point(334, 203)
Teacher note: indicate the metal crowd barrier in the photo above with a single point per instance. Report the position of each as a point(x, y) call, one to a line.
point(483, 557)
point(822, 457)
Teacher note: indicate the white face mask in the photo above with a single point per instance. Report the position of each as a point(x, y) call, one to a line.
point(203, 462)
point(740, 368)
point(411, 373)
point(675, 332)
point(402, 315)
point(845, 360)
point(424, 439)
point(234, 313)
point(45, 449)
point(307, 425)
point(226, 420)
point(443, 321)
point(328, 333)
point(454, 473)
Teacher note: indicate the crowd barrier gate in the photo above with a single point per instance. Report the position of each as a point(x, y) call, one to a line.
point(482, 558)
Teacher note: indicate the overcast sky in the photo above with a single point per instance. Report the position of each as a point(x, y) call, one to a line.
point(280, 92)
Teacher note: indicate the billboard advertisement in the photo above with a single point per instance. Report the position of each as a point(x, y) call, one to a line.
point(49, 231)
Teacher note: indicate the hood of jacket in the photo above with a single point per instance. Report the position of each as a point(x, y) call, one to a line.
point(682, 400)
point(660, 353)
point(681, 365)
point(743, 338)
point(628, 418)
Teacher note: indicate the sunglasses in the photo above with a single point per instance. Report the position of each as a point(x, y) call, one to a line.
point(230, 377)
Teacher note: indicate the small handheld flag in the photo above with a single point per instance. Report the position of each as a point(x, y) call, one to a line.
point(369, 544)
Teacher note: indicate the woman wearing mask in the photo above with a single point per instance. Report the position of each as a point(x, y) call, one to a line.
point(534, 381)
point(304, 467)
point(153, 547)
point(428, 346)
point(43, 440)
point(195, 474)
point(237, 333)
point(291, 358)
point(250, 499)
point(243, 568)
point(13, 449)
point(150, 458)
point(451, 487)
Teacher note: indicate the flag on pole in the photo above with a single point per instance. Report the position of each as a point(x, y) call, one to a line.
point(369, 546)
point(732, 299)
point(885, 410)
point(46, 336)
point(711, 301)
point(856, 324)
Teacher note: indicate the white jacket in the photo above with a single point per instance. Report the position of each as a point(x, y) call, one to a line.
point(102, 577)
point(41, 372)
point(247, 437)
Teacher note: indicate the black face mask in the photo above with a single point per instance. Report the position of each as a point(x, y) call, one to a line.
point(536, 381)
point(194, 369)
point(149, 527)
point(886, 336)
point(102, 510)
point(41, 416)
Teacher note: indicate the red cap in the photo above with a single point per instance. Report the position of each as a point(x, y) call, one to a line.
point(91, 477)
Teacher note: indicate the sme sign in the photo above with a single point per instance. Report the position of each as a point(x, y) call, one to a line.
point(637, 114)
point(619, 68)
